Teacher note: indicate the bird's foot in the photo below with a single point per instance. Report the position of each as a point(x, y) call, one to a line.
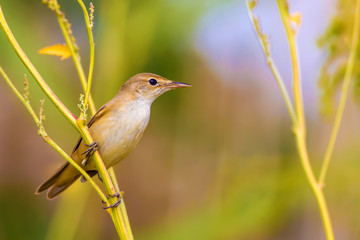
point(93, 147)
point(118, 195)
point(117, 203)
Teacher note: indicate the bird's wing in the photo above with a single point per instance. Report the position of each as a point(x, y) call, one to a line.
point(96, 116)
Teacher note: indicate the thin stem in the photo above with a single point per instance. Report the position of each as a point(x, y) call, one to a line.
point(70, 41)
point(119, 215)
point(18, 94)
point(48, 139)
point(319, 195)
point(262, 38)
point(115, 213)
point(298, 120)
point(38, 78)
point(122, 204)
point(92, 52)
point(300, 129)
point(344, 94)
point(78, 167)
point(83, 131)
point(290, 33)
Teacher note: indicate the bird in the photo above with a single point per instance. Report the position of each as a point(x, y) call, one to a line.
point(116, 129)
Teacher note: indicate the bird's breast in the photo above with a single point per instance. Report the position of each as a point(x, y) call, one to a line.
point(119, 131)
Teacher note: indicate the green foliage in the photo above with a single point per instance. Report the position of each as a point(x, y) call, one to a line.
point(336, 41)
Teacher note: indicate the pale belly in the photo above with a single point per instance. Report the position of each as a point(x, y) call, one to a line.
point(122, 132)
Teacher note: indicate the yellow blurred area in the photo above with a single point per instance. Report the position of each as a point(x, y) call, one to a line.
point(218, 160)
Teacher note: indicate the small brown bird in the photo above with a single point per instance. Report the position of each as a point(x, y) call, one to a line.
point(116, 129)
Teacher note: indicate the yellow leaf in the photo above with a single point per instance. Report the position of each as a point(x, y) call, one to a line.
point(56, 50)
point(296, 18)
point(253, 4)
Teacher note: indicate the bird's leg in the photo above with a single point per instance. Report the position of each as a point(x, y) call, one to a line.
point(118, 195)
point(93, 147)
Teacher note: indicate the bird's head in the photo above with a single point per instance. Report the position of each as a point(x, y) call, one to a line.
point(150, 86)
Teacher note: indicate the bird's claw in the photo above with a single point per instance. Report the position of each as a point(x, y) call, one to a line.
point(116, 194)
point(117, 203)
point(93, 147)
point(100, 178)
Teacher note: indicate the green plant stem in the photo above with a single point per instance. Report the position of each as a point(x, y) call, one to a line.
point(120, 215)
point(298, 119)
point(115, 213)
point(122, 204)
point(75, 54)
point(299, 109)
point(319, 195)
point(48, 139)
point(78, 124)
point(78, 167)
point(262, 38)
point(300, 128)
point(18, 94)
point(43, 85)
point(92, 53)
point(344, 94)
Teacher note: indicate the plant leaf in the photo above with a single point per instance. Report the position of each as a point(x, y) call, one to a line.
point(296, 18)
point(60, 50)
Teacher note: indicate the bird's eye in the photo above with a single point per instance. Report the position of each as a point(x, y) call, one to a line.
point(152, 81)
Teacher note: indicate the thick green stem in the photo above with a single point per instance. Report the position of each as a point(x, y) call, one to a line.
point(38, 78)
point(78, 167)
point(344, 94)
point(119, 214)
point(122, 204)
point(115, 213)
point(319, 195)
point(77, 123)
point(48, 139)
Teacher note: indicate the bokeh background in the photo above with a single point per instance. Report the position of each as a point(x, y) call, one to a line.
point(217, 161)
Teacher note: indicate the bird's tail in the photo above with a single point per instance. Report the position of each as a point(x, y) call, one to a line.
point(57, 182)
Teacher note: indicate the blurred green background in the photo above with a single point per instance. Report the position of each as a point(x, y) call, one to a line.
point(217, 161)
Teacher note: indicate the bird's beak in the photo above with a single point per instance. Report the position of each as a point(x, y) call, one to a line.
point(172, 85)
